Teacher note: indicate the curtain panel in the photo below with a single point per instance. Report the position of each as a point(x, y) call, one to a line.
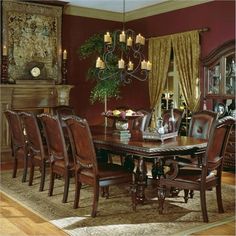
point(187, 53)
point(186, 49)
point(159, 50)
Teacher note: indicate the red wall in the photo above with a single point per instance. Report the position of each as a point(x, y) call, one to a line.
point(218, 16)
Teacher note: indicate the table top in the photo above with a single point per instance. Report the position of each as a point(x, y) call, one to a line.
point(180, 145)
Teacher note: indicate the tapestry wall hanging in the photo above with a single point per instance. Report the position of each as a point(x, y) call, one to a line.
point(32, 36)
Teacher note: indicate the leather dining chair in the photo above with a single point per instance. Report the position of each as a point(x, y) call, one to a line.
point(178, 114)
point(61, 111)
point(19, 145)
point(205, 176)
point(87, 169)
point(38, 153)
point(199, 127)
point(60, 162)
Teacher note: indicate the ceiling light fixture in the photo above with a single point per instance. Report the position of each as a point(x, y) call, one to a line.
point(123, 56)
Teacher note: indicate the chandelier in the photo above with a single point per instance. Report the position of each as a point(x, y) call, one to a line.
point(123, 56)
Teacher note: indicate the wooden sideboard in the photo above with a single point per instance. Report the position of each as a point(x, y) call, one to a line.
point(34, 97)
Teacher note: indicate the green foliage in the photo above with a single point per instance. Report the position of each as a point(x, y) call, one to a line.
point(109, 87)
point(93, 45)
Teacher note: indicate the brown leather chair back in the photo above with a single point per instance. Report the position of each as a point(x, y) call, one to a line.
point(63, 110)
point(16, 129)
point(55, 138)
point(200, 124)
point(143, 122)
point(82, 143)
point(19, 145)
point(178, 114)
point(34, 139)
point(218, 141)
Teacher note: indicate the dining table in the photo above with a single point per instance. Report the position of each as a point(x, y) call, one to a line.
point(146, 150)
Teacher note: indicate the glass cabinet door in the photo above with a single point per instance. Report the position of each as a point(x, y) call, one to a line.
point(214, 78)
point(230, 70)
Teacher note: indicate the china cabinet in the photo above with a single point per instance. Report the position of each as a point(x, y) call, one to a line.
point(219, 75)
point(219, 89)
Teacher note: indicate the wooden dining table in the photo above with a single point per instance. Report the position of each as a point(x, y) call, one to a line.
point(141, 149)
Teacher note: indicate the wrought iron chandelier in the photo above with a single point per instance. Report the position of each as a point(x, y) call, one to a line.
point(123, 56)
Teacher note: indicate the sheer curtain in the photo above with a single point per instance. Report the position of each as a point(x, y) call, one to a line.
point(187, 53)
point(159, 50)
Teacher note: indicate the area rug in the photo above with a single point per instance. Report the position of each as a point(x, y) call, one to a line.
point(115, 216)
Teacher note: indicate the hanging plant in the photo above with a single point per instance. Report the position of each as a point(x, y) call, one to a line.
point(110, 87)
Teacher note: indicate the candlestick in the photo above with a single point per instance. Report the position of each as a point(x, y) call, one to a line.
point(64, 57)
point(4, 71)
point(64, 71)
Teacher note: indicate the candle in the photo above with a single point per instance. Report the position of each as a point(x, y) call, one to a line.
point(142, 40)
point(143, 65)
point(98, 62)
point(149, 65)
point(129, 42)
point(138, 38)
point(130, 66)
point(121, 64)
point(102, 65)
point(107, 38)
point(64, 56)
point(122, 37)
point(4, 51)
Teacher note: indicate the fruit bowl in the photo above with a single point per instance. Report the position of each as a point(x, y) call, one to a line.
point(122, 115)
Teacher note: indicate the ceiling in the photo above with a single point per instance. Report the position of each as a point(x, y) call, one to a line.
point(115, 5)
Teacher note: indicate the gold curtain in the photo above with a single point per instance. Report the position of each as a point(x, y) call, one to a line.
point(187, 52)
point(159, 50)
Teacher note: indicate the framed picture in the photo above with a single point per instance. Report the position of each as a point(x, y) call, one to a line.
point(32, 36)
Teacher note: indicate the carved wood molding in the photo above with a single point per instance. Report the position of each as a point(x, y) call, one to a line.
point(223, 50)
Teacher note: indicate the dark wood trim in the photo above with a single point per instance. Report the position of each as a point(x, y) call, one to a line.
point(223, 50)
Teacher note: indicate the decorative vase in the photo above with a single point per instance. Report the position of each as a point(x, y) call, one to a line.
point(122, 125)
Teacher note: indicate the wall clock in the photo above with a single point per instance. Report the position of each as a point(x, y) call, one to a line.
point(35, 70)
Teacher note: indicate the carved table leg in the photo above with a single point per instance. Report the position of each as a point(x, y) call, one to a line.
point(141, 180)
point(161, 198)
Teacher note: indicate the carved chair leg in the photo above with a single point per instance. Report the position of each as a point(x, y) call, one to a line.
point(51, 183)
point(66, 187)
point(219, 198)
point(191, 193)
point(203, 205)
point(31, 177)
point(161, 198)
point(186, 191)
point(15, 165)
point(105, 192)
point(25, 168)
point(77, 193)
point(42, 180)
point(95, 199)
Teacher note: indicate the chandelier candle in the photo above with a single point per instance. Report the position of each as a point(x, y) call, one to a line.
point(128, 46)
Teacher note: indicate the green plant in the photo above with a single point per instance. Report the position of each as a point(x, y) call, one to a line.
point(110, 87)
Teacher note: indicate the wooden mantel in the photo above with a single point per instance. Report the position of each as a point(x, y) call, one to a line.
point(28, 97)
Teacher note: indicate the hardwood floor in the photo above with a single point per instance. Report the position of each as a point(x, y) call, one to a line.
point(15, 220)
